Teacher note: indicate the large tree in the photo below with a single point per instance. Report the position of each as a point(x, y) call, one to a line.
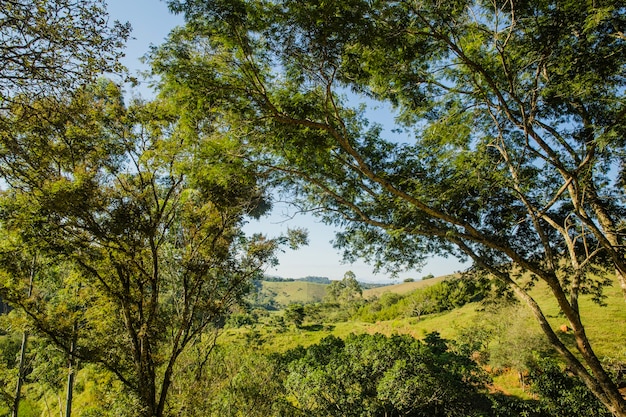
point(516, 113)
point(135, 216)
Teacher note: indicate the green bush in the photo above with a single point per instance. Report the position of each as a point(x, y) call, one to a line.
point(237, 320)
point(375, 375)
point(562, 394)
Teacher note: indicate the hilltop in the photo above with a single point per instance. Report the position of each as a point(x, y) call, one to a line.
point(403, 288)
point(276, 292)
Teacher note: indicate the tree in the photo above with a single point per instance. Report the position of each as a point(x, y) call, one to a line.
point(345, 291)
point(136, 217)
point(515, 112)
point(50, 47)
point(562, 394)
point(295, 314)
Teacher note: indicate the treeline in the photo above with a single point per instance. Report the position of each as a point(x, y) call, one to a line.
point(318, 280)
point(344, 301)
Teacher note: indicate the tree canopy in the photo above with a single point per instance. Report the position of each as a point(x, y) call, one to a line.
point(345, 291)
point(515, 112)
point(133, 224)
point(48, 47)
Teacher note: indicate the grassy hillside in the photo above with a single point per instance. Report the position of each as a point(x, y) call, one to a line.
point(403, 288)
point(289, 292)
point(284, 293)
point(605, 325)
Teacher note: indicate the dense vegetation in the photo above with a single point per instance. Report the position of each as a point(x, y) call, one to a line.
point(247, 371)
point(122, 255)
point(513, 115)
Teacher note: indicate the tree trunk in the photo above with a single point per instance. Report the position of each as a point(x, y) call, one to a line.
point(147, 382)
point(598, 381)
point(608, 227)
point(22, 365)
point(70, 374)
point(20, 376)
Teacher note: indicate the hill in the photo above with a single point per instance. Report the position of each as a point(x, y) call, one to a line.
point(605, 324)
point(277, 293)
point(402, 288)
point(506, 333)
point(282, 293)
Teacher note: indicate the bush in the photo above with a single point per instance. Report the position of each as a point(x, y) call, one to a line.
point(378, 375)
point(237, 320)
point(562, 394)
point(295, 314)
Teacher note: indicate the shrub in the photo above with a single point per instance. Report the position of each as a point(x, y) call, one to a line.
point(562, 394)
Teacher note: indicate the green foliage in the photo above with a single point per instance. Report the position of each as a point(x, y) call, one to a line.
point(514, 114)
point(9, 351)
point(346, 291)
point(442, 296)
point(134, 222)
point(295, 313)
point(232, 381)
point(241, 319)
point(514, 340)
point(377, 375)
point(562, 394)
point(54, 46)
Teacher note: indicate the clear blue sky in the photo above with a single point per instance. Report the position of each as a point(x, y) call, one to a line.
point(151, 22)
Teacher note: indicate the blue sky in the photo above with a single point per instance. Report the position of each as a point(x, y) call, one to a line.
point(151, 22)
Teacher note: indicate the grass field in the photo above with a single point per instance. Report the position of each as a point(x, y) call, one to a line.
point(605, 325)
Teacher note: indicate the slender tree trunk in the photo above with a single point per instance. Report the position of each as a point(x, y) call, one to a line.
point(70, 374)
point(22, 367)
point(20, 376)
point(147, 380)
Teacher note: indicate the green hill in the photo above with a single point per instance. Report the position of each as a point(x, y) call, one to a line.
point(605, 325)
point(402, 288)
point(279, 293)
point(284, 293)
point(505, 333)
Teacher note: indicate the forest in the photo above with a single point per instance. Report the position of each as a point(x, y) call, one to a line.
point(128, 285)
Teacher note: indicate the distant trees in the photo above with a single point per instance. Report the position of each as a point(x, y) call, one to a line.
point(438, 297)
point(294, 313)
point(345, 291)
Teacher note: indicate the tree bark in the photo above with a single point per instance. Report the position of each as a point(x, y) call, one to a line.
point(608, 227)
